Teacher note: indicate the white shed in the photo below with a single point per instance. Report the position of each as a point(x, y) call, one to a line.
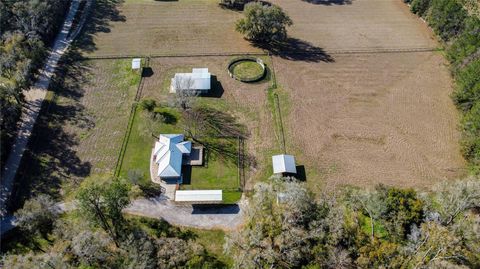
point(199, 196)
point(136, 63)
point(198, 80)
point(284, 164)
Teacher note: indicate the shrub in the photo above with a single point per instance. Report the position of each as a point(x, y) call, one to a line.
point(447, 18)
point(420, 7)
point(466, 44)
point(148, 104)
point(468, 86)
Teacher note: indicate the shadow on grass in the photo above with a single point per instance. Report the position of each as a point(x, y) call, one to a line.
point(51, 159)
point(295, 49)
point(215, 209)
point(216, 90)
point(301, 173)
point(329, 2)
point(104, 12)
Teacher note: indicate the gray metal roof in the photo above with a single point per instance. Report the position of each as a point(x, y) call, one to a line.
point(284, 164)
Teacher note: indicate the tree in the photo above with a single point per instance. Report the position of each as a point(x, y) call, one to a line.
point(285, 227)
point(103, 204)
point(264, 23)
point(37, 215)
point(450, 200)
point(91, 247)
point(185, 94)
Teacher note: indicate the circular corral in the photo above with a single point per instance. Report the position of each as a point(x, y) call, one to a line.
point(247, 69)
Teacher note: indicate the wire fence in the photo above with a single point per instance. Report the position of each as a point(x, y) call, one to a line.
point(131, 118)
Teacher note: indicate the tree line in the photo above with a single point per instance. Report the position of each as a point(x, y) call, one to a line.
point(288, 227)
point(457, 23)
point(27, 27)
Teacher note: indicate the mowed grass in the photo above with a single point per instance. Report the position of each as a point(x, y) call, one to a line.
point(247, 69)
point(80, 131)
point(146, 27)
point(217, 173)
point(141, 141)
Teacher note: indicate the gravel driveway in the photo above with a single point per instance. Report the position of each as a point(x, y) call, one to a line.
point(224, 217)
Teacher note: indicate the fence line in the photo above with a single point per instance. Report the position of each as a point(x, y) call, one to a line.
point(128, 56)
point(133, 112)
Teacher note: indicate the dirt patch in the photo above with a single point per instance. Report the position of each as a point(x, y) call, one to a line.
point(373, 118)
point(144, 27)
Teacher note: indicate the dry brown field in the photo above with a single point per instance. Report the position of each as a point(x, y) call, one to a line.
point(369, 118)
point(373, 118)
point(145, 27)
point(248, 102)
point(339, 25)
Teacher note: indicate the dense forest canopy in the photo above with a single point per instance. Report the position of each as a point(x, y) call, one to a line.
point(27, 27)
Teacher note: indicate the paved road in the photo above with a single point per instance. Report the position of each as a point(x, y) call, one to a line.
point(34, 98)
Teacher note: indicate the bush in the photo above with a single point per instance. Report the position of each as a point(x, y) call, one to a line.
point(468, 86)
point(466, 44)
point(148, 104)
point(447, 18)
point(471, 135)
point(420, 7)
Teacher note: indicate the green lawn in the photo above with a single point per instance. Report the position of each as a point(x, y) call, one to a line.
point(247, 69)
point(218, 172)
point(141, 141)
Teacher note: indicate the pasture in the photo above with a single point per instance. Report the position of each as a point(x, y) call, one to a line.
point(146, 27)
point(355, 110)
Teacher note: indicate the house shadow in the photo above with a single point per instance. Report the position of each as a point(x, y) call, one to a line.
point(216, 209)
point(329, 2)
point(295, 49)
point(186, 174)
point(216, 90)
point(147, 72)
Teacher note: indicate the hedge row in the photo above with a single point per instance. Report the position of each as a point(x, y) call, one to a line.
point(460, 33)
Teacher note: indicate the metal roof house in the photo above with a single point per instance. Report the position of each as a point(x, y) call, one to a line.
point(284, 164)
point(198, 80)
point(168, 154)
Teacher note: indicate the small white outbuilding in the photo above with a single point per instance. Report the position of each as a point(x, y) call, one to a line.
point(203, 196)
point(198, 80)
point(136, 63)
point(284, 164)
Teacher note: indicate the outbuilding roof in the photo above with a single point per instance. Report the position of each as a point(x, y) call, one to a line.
point(284, 164)
point(199, 79)
point(199, 196)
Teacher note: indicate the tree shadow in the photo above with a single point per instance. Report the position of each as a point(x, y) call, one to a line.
point(329, 2)
point(296, 50)
point(103, 12)
point(50, 159)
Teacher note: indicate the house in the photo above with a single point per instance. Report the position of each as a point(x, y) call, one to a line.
point(169, 154)
point(198, 80)
point(284, 164)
